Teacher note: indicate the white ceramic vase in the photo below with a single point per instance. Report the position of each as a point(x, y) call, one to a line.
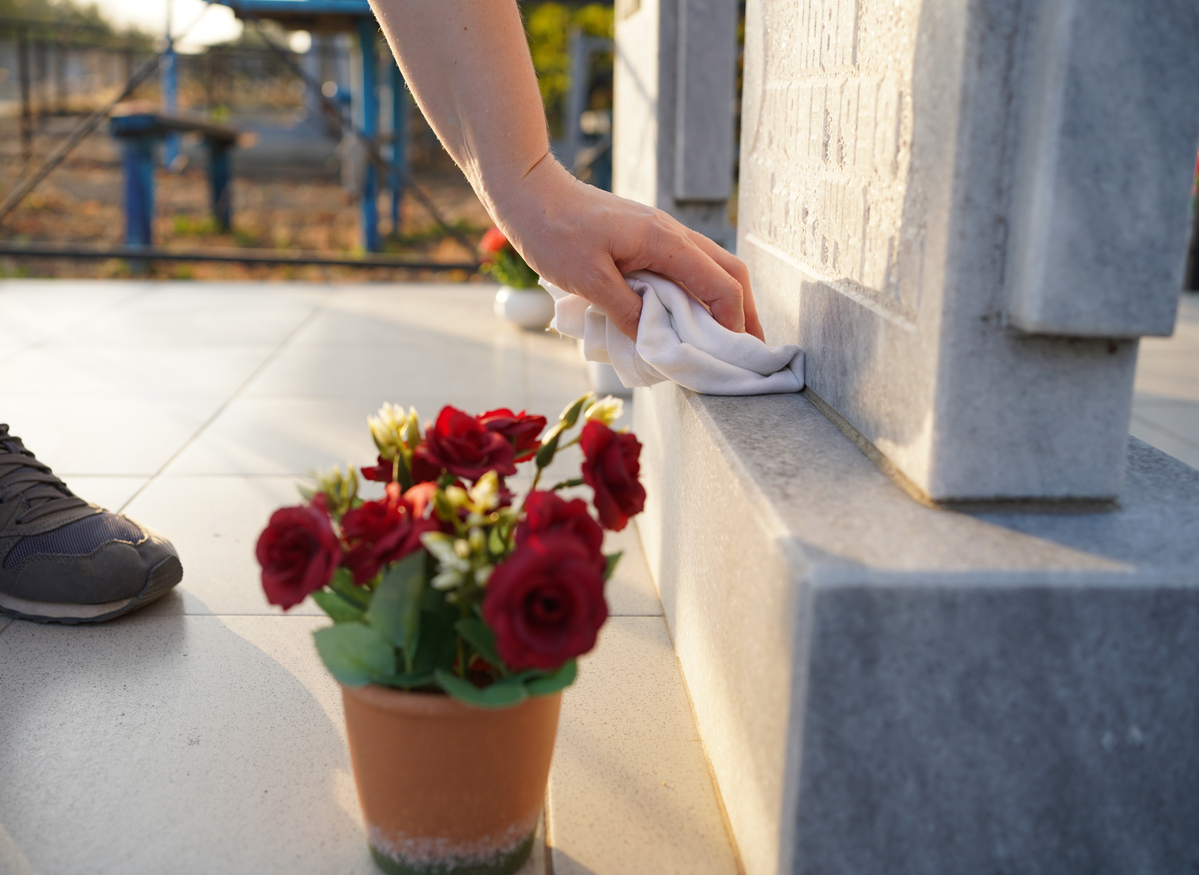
point(528, 308)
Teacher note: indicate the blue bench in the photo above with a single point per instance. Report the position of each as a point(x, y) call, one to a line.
point(139, 132)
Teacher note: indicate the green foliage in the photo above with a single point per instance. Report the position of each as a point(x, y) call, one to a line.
point(510, 269)
point(355, 654)
point(86, 20)
point(395, 606)
point(548, 26)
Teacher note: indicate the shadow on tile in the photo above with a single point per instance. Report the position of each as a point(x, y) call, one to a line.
point(182, 744)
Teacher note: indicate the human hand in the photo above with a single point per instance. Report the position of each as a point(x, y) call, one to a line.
point(583, 240)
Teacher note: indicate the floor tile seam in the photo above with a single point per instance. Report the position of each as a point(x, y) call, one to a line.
point(1168, 432)
point(237, 393)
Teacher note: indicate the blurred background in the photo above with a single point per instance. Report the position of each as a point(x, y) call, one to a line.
point(316, 167)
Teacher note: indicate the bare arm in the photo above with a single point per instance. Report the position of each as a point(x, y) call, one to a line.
point(467, 63)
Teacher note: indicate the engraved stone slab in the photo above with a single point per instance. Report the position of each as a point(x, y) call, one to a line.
point(880, 149)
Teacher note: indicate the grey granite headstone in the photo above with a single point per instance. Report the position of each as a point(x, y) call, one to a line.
point(966, 213)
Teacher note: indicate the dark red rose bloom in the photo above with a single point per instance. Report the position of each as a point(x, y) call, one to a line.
point(493, 241)
point(380, 532)
point(547, 512)
point(460, 445)
point(545, 602)
point(520, 428)
point(610, 467)
point(380, 473)
point(298, 552)
point(421, 471)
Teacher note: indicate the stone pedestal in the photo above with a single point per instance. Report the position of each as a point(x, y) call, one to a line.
point(884, 686)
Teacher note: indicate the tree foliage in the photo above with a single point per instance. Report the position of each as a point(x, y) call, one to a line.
point(548, 26)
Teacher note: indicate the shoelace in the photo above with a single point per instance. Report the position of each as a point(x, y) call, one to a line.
point(21, 474)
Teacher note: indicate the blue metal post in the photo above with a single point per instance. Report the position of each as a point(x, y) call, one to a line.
point(137, 161)
point(399, 144)
point(218, 182)
point(170, 100)
point(369, 122)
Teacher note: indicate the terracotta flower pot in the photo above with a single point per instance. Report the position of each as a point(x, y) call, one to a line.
point(446, 787)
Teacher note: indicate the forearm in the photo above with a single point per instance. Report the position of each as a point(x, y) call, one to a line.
point(467, 63)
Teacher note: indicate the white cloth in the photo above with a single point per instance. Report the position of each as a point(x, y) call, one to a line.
point(677, 339)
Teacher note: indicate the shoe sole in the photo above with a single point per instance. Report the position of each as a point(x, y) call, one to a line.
point(162, 579)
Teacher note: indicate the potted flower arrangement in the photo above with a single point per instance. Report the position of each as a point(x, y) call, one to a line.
point(520, 300)
point(458, 612)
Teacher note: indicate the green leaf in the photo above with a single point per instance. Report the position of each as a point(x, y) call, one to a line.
point(549, 446)
point(395, 606)
point(611, 559)
point(558, 680)
point(408, 680)
point(567, 484)
point(571, 414)
point(355, 654)
point(338, 609)
point(501, 694)
point(343, 584)
point(476, 633)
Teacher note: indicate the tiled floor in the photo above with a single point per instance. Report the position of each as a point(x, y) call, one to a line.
point(1165, 412)
point(202, 734)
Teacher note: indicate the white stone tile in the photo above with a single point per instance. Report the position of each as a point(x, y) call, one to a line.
point(121, 436)
point(214, 522)
point(629, 687)
point(181, 744)
point(208, 313)
point(282, 436)
point(368, 314)
point(65, 368)
point(630, 590)
point(425, 367)
point(32, 311)
point(618, 808)
point(111, 493)
point(630, 789)
point(175, 744)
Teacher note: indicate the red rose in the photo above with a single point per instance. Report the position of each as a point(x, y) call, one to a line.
point(547, 512)
point(610, 468)
point(460, 445)
point(493, 241)
point(383, 471)
point(380, 473)
point(520, 428)
point(298, 553)
point(545, 602)
point(380, 532)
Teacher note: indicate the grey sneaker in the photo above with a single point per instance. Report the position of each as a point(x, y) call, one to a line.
point(63, 560)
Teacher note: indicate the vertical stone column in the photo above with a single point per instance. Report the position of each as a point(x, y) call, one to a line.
point(674, 79)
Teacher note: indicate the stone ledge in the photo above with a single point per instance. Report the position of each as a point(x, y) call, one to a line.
point(884, 685)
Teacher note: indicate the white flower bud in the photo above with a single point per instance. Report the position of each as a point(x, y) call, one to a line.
point(606, 410)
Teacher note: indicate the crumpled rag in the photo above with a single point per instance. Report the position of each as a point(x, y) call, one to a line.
point(679, 340)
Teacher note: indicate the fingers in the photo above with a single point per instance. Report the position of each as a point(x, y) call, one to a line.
point(736, 268)
point(620, 304)
point(669, 250)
